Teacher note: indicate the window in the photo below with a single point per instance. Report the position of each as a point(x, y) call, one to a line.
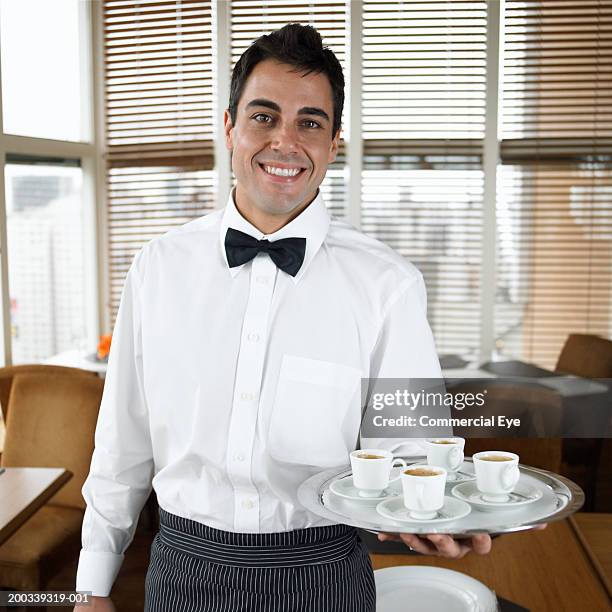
point(48, 153)
point(423, 99)
point(554, 210)
point(44, 64)
point(158, 123)
point(46, 255)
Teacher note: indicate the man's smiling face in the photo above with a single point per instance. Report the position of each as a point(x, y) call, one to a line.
point(281, 142)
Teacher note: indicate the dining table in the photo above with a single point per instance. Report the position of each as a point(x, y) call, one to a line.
point(594, 529)
point(23, 490)
point(83, 360)
point(561, 568)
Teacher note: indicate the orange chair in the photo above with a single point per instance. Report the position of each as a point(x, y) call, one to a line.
point(6, 381)
point(51, 423)
point(8, 373)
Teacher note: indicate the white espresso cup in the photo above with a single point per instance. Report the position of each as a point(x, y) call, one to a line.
point(371, 469)
point(423, 487)
point(497, 473)
point(445, 452)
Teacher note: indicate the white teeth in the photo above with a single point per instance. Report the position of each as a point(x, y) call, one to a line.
point(282, 171)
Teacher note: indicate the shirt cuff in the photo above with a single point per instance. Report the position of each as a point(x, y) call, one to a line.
point(97, 572)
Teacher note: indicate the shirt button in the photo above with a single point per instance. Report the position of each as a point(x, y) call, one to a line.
point(239, 457)
point(247, 396)
point(262, 279)
point(247, 504)
point(253, 337)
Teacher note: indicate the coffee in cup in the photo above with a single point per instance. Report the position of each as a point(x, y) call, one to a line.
point(496, 458)
point(421, 471)
point(446, 452)
point(497, 473)
point(371, 469)
point(423, 488)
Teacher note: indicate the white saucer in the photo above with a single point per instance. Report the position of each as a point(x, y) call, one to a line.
point(435, 589)
point(452, 510)
point(522, 495)
point(461, 475)
point(343, 487)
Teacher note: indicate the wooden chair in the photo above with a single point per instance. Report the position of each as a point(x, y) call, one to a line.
point(590, 357)
point(51, 423)
point(6, 382)
point(586, 356)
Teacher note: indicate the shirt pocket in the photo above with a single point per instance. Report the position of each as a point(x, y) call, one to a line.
point(308, 425)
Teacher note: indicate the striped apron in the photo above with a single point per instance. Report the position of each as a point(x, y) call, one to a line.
point(196, 568)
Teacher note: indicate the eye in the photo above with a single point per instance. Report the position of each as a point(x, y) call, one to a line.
point(262, 118)
point(311, 124)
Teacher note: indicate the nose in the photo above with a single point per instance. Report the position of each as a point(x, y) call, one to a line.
point(285, 139)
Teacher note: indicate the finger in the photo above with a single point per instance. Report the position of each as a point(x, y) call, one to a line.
point(447, 546)
point(481, 544)
point(388, 537)
point(418, 544)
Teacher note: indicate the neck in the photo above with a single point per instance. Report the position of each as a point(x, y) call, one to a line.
point(266, 223)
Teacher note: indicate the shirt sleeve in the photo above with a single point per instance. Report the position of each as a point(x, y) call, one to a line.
point(405, 349)
point(119, 480)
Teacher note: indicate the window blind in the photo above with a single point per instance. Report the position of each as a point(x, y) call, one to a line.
point(250, 20)
point(158, 105)
point(423, 100)
point(554, 211)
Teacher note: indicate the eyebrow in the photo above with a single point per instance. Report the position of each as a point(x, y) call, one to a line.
point(305, 110)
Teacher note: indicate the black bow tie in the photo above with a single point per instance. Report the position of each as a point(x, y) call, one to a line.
point(286, 253)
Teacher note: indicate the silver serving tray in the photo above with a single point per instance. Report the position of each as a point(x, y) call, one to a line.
point(560, 498)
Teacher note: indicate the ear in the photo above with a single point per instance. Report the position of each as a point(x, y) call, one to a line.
point(228, 128)
point(333, 149)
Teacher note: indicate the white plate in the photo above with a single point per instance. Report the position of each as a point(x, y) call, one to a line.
point(452, 510)
point(522, 495)
point(434, 589)
point(343, 487)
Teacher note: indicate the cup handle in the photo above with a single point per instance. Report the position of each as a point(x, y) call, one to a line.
point(456, 456)
point(403, 464)
point(510, 476)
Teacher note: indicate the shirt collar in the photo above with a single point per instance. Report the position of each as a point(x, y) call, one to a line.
point(312, 223)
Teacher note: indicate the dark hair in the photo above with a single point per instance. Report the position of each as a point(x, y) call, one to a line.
point(299, 46)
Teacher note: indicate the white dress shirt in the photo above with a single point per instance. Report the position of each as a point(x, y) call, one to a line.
point(228, 387)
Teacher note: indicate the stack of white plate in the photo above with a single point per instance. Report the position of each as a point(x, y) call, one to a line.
point(430, 589)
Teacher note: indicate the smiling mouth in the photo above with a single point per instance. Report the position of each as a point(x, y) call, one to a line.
point(281, 172)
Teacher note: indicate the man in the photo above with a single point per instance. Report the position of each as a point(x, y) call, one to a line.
point(235, 370)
